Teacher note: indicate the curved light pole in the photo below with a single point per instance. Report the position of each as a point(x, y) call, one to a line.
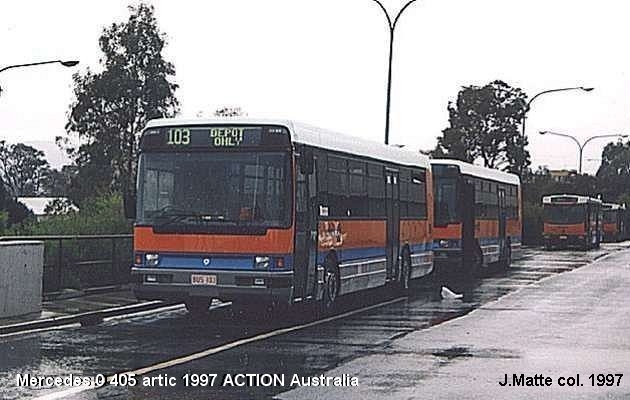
point(529, 103)
point(68, 63)
point(392, 27)
point(580, 145)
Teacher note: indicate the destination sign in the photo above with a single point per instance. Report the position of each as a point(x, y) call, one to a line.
point(214, 137)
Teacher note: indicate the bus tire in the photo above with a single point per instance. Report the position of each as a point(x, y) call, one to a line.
point(404, 274)
point(197, 306)
point(331, 284)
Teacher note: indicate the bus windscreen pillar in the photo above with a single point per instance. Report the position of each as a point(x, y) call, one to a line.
point(21, 270)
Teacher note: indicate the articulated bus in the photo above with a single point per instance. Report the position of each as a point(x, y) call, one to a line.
point(571, 220)
point(477, 217)
point(614, 222)
point(275, 211)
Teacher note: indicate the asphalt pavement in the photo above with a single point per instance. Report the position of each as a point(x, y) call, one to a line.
point(554, 313)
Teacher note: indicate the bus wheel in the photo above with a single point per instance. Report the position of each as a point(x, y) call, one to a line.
point(405, 271)
point(331, 284)
point(197, 306)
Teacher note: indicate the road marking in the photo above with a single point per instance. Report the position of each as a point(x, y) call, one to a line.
point(214, 350)
point(50, 328)
point(146, 312)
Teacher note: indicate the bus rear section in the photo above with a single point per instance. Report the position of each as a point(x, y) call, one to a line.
point(477, 218)
point(571, 221)
point(613, 222)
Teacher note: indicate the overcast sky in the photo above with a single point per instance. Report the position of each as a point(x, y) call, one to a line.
point(325, 62)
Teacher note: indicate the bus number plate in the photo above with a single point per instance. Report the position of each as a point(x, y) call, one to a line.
point(563, 237)
point(203, 279)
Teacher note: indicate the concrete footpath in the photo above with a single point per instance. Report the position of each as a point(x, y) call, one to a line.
point(84, 307)
point(573, 323)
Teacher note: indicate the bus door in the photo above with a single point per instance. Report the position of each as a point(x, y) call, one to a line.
point(305, 253)
point(502, 223)
point(467, 212)
point(393, 221)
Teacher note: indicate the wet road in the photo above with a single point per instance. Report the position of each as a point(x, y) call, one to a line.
point(296, 346)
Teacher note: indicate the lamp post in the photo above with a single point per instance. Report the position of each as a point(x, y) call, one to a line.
point(392, 27)
point(529, 103)
point(67, 63)
point(581, 145)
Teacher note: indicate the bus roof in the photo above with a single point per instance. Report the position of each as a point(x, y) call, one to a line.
point(614, 206)
point(479, 171)
point(576, 198)
point(318, 137)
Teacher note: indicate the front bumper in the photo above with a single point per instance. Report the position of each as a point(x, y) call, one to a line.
point(564, 240)
point(236, 286)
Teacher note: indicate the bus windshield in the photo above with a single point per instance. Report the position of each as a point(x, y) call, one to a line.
point(564, 214)
point(445, 201)
point(217, 188)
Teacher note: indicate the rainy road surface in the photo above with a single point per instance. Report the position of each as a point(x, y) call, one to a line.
point(553, 313)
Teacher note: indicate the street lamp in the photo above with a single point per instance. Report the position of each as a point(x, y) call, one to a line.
point(392, 28)
point(528, 105)
point(581, 145)
point(66, 63)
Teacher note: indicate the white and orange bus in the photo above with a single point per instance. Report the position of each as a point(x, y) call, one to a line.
point(571, 220)
point(613, 222)
point(477, 217)
point(275, 211)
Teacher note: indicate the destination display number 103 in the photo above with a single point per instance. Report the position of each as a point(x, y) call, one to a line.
point(178, 136)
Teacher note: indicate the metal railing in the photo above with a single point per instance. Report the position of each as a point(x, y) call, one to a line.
point(83, 261)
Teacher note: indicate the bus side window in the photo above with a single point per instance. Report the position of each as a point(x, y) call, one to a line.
point(337, 186)
point(376, 190)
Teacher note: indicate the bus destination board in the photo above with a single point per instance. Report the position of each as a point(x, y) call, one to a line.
point(214, 137)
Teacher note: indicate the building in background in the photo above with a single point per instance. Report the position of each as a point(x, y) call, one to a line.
point(562, 175)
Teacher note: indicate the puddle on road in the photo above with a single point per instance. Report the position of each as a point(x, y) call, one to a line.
point(466, 352)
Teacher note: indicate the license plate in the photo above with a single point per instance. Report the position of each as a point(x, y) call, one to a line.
point(563, 237)
point(203, 279)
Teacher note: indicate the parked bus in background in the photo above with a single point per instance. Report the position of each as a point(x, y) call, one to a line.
point(571, 220)
point(477, 217)
point(275, 212)
point(614, 224)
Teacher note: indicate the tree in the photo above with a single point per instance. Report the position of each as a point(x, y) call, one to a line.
point(58, 182)
point(614, 171)
point(22, 169)
point(229, 112)
point(112, 107)
point(11, 211)
point(484, 124)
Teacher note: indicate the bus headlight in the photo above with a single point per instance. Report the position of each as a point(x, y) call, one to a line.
point(152, 259)
point(261, 262)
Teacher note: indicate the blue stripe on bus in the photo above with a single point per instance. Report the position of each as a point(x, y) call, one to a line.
point(487, 241)
point(344, 255)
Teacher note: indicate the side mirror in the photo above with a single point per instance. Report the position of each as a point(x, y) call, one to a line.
point(129, 205)
point(307, 161)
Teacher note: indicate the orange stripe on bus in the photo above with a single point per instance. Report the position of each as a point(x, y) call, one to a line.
point(483, 229)
point(562, 229)
point(276, 241)
point(414, 231)
point(611, 227)
point(350, 234)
